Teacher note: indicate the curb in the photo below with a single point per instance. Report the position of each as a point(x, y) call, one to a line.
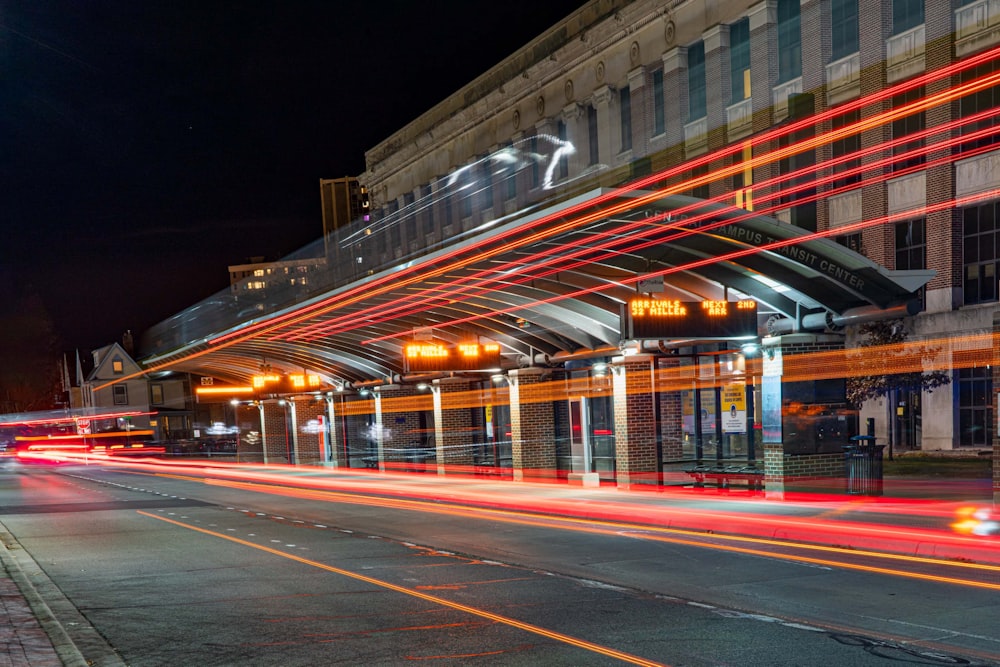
point(42, 595)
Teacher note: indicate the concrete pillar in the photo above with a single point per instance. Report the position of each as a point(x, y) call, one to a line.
point(635, 421)
point(641, 112)
point(452, 424)
point(577, 133)
point(532, 424)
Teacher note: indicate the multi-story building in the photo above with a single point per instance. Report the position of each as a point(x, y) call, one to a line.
point(890, 151)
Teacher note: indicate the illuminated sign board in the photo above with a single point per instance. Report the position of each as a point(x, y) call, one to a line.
point(427, 357)
point(666, 318)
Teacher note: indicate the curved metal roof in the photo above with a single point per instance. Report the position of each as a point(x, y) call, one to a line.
point(551, 283)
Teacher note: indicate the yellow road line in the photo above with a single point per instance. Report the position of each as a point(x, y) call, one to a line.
point(550, 634)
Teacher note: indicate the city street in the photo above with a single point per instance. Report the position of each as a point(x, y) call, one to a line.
point(145, 567)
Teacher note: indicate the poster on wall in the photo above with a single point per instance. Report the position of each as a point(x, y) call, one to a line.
point(687, 411)
point(734, 408)
point(770, 397)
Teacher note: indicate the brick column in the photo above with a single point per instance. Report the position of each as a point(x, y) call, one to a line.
point(718, 92)
point(307, 413)
point(635, 421)
point(452, 423)
point(675, 90)
point(872, 34)
point(532, 425)
point(404, 436)
point(671, 416)
point(277, 437)
point(763, 18)
point(250, 446)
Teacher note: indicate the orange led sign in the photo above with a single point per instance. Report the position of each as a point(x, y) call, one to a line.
point(422, 357)
point(667, 318)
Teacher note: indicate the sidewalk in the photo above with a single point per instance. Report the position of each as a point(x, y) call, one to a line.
point(29, 633)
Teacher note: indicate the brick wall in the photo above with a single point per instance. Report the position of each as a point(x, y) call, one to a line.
point(277, 436)
point(250, 446)
point(452, 425)
point(635, 421)
point(307, 440)
point(532, 422)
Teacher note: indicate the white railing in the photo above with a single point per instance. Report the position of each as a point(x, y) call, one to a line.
point(696, 135)
point(843, 78)
point(781, 94)
point(739, 117)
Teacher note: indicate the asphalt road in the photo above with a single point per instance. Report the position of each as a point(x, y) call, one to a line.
point(170, 570)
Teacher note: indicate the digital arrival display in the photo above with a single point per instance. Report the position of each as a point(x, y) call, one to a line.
point(425, 357)
point(665, 318)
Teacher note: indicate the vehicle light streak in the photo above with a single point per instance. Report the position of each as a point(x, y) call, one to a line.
point(433, 599)
point(439, 295)
point(432, 495)
point(303, 314)
point(587, 255)
point(680, 536)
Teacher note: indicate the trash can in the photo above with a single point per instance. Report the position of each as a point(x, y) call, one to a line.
point(863, 459)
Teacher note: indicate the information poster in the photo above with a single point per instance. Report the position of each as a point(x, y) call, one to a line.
point(734, 408)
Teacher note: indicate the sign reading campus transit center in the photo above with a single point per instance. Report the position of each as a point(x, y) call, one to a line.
point(666, 318)
point(427, 357)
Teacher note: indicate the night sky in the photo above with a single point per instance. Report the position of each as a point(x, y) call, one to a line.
point(146, 145)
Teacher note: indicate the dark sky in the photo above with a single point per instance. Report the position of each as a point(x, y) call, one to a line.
point(146, 145)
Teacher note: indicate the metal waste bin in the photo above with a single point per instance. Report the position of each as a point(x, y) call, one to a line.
point(863, 459)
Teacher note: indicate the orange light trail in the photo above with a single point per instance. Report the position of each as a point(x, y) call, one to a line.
point(672, 535)
point(433, 599)
point(358, 292)
point(441, 295)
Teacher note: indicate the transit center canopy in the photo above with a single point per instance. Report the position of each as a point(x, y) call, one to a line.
point(548, 287)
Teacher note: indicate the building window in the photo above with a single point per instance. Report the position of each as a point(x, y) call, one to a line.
point(789, 41)
point(982, 100)
point(117, 366)
point(911, 247)
point(975, 406)
point(659, 115)
point(844, 28)
point(906, 14)
point(156, 394)
point(696, 81)
point(625, 106)
point(739, 59)
point(120, 393)
point(850, 241)
point(905, 126)
point(980, 257)
point(844, 147)
point(592, 137)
